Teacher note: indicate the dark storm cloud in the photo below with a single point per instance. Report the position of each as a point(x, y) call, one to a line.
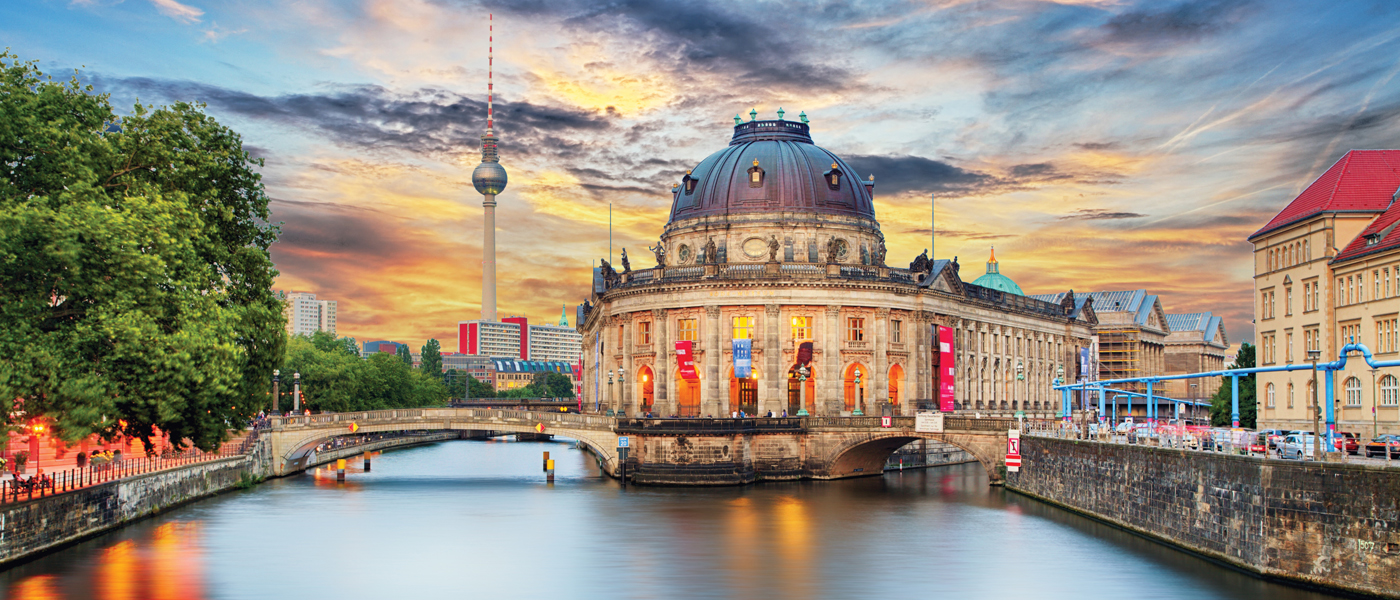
point(1098, 214)
point(901, 174)
point(1184, 21)
point(426, 121)
point(759, 49)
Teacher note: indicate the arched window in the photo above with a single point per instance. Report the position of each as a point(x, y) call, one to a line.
point(833, 177)
point(1390, 391)
point(755, 175)
point(1269, 395)
point(1353, 386)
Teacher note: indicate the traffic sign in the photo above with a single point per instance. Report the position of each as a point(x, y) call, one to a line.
point(622, 441)
point(887, 421)
point(1013, 446)
point(1013, 450)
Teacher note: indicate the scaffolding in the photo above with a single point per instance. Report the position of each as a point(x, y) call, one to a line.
point(1121, 356)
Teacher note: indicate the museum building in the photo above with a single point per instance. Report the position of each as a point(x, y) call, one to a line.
point(773, 251)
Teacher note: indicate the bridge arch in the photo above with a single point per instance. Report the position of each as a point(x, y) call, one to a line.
point(859, 455)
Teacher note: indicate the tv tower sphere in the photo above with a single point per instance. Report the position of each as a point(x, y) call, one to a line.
point(489, 178)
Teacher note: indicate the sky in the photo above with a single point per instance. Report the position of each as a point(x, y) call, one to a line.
point(1097, 144)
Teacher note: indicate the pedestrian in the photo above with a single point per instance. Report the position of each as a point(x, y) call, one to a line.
point(734, 414)
point(784, 413)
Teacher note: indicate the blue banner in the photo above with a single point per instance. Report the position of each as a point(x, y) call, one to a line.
point(743, 359)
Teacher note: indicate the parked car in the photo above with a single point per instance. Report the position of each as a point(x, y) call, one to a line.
point(1277, 435)
point(1345, 441)
point(1260, 444)
point(1376, 447)
point(1298, 445)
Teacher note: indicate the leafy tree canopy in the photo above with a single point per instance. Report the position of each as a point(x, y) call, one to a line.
point(431, 361)
point(135, 280)
point(404, 355)
point(334, 380)
point(1220, 402)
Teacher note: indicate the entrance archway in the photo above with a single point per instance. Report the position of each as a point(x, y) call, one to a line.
point(687, 395)
point(795, 395)
point(896, 389)
point(648, 379)
point(743, 394)
point(855, 393)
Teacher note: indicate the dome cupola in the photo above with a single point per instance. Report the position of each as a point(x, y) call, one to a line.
point(995, 280)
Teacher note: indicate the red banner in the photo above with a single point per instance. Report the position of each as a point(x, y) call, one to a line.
point(685, 360)
point(804, 353)
point(946, 369)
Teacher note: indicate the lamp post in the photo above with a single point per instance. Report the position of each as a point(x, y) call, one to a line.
point(802, 373)
point(1064, 394)
point(621, 392)
point(1020, 387)
point(276, 379)
point(612, 398)
point(860, 396)
point(1313, 356)
point(296, 392)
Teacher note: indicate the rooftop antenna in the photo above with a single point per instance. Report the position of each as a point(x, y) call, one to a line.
point(932, 221)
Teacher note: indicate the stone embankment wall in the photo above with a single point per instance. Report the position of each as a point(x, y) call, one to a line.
point(1330, 525)
point(32, 527)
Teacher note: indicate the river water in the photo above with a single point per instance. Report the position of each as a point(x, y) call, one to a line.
point(475, 519)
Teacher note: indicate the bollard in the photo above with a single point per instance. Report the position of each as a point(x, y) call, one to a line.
point(546, 461)
point(340, 469)
point(548, 469)
point(366, 461)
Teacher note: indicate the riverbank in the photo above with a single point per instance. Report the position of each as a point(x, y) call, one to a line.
point(1328, 526)
point(32, 528)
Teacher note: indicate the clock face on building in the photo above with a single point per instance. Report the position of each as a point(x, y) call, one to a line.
point(684, 253)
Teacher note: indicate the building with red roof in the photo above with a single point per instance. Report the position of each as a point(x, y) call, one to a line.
point(1327, 272)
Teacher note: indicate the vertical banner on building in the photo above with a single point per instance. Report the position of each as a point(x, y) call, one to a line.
point(804, 353)
point(743, 359)
point(597, 371)
point(685, 360)
point(947, 367)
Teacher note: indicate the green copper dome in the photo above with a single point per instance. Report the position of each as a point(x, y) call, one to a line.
point(995, 280)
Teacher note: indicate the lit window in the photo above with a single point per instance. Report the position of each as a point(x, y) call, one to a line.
point(686, 330)
point(855, 329)
point(833, 177)
point(802, 328)
point(755, 175)
point(644, 332)
point(743, 328)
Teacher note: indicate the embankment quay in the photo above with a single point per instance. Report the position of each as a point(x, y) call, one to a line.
point(1327, 525)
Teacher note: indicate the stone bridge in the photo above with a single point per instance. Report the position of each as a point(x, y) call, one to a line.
point(672, 451)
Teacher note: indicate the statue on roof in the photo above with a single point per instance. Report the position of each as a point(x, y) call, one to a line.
point(711, 254)
point(626, 264)
point(610, 276)
point(773, 248)
point(833, 250)
point(878, 257)
point(921, 263)
point(660, 251)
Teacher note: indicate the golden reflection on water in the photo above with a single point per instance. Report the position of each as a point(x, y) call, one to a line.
point(794, 539)
point(164, 564)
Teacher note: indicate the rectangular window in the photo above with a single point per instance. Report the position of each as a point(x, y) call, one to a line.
point(686, 330)
point(1288, 347)
point(1376, 278)
point(1341, 292)
point(895, 335)
point(1287, 301)
point(1385, 276)
point(1271, 305)
point(1307, 297)
point(644, 332)
point(743, 328)
point(855, 329)
point(802, 329)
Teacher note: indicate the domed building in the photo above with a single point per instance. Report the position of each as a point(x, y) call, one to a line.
point(773, 253)
point(994, 280)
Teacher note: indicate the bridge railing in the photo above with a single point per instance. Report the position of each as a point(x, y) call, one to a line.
point(439, 414)
point(711, 425)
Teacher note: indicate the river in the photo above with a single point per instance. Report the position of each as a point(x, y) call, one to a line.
point(475, 519)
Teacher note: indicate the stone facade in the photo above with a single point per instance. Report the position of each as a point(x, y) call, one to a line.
point(1322, 524)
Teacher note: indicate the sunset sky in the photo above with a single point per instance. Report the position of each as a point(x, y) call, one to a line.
point(1099, 145)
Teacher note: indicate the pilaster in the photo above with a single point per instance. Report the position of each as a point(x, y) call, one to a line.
point(831, 387)
point(711, 404)
point(773, 374)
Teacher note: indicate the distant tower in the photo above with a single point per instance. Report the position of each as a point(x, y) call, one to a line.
point(489, 179)
point(564, 315)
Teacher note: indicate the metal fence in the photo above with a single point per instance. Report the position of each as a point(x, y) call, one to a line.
point(103, 470)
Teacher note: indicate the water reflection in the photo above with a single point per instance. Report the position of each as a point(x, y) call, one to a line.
point(477, 519)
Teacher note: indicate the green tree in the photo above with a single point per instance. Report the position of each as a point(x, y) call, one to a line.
point(431, 361)
point(548, 384)
point(456, 384)
point(479, 389)
point(135, 280)
point(404, 355)
point(1220, 402)
point(335, 381)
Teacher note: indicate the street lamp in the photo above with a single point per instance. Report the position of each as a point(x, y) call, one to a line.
point(802, 373)
point(1313, 356)
point(860, 391)
point(1060, 378)
point(612, 398)
point(1020, 376)
point(296, 392)
point(276, 379)
point(621, 392)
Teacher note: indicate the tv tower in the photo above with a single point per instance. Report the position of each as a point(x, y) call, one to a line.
point(489, 179)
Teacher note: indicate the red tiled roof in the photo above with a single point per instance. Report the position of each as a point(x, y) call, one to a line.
point(1362, 180)
point(1389, 239)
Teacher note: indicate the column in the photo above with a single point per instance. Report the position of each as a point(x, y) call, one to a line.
point(625, 399)
point(831, 387)
point(665, 404)
point(710, 401)
point(771, 396)
point(880, 390)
